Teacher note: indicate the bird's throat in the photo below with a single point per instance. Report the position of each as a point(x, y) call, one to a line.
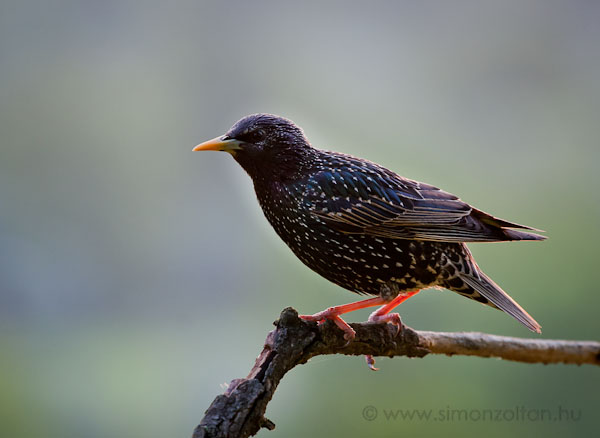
point(279, 166)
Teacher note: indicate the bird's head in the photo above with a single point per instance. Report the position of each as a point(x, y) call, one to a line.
point(265, 145)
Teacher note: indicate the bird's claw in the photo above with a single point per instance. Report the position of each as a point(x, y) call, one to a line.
point(392, 318)
point(371, 362)
point(321, 317)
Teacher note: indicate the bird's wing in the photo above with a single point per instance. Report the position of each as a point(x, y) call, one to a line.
point(381, 203)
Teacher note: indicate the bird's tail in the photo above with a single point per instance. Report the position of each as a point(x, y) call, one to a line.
point(494, 293)
point(504, 230)
point(521, 235)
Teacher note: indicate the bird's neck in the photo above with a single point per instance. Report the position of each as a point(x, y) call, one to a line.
point(280, 167)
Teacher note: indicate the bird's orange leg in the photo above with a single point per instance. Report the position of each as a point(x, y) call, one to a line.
point(334, 313)
point(382, 315)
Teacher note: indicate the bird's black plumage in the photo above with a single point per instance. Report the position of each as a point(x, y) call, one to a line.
point(363, 226)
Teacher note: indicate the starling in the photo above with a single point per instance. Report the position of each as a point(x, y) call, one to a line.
point(364, 227)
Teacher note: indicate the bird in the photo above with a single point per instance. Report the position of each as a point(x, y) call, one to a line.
point(363, 226)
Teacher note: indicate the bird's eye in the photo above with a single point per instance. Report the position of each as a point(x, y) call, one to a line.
point(253, 136)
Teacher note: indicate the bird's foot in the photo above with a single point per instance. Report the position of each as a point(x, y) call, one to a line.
point(375, 317)
point(371, 362)
point(392, 318)
point(380, 315)
point(332, 313)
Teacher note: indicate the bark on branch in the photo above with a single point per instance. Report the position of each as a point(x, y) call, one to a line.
point(239, 412)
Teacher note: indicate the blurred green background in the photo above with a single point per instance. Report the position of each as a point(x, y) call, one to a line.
point(136, 278)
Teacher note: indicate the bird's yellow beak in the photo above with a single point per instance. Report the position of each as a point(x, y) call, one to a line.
point(219, 144)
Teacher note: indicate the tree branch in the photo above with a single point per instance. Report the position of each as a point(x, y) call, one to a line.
point(239, 412)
